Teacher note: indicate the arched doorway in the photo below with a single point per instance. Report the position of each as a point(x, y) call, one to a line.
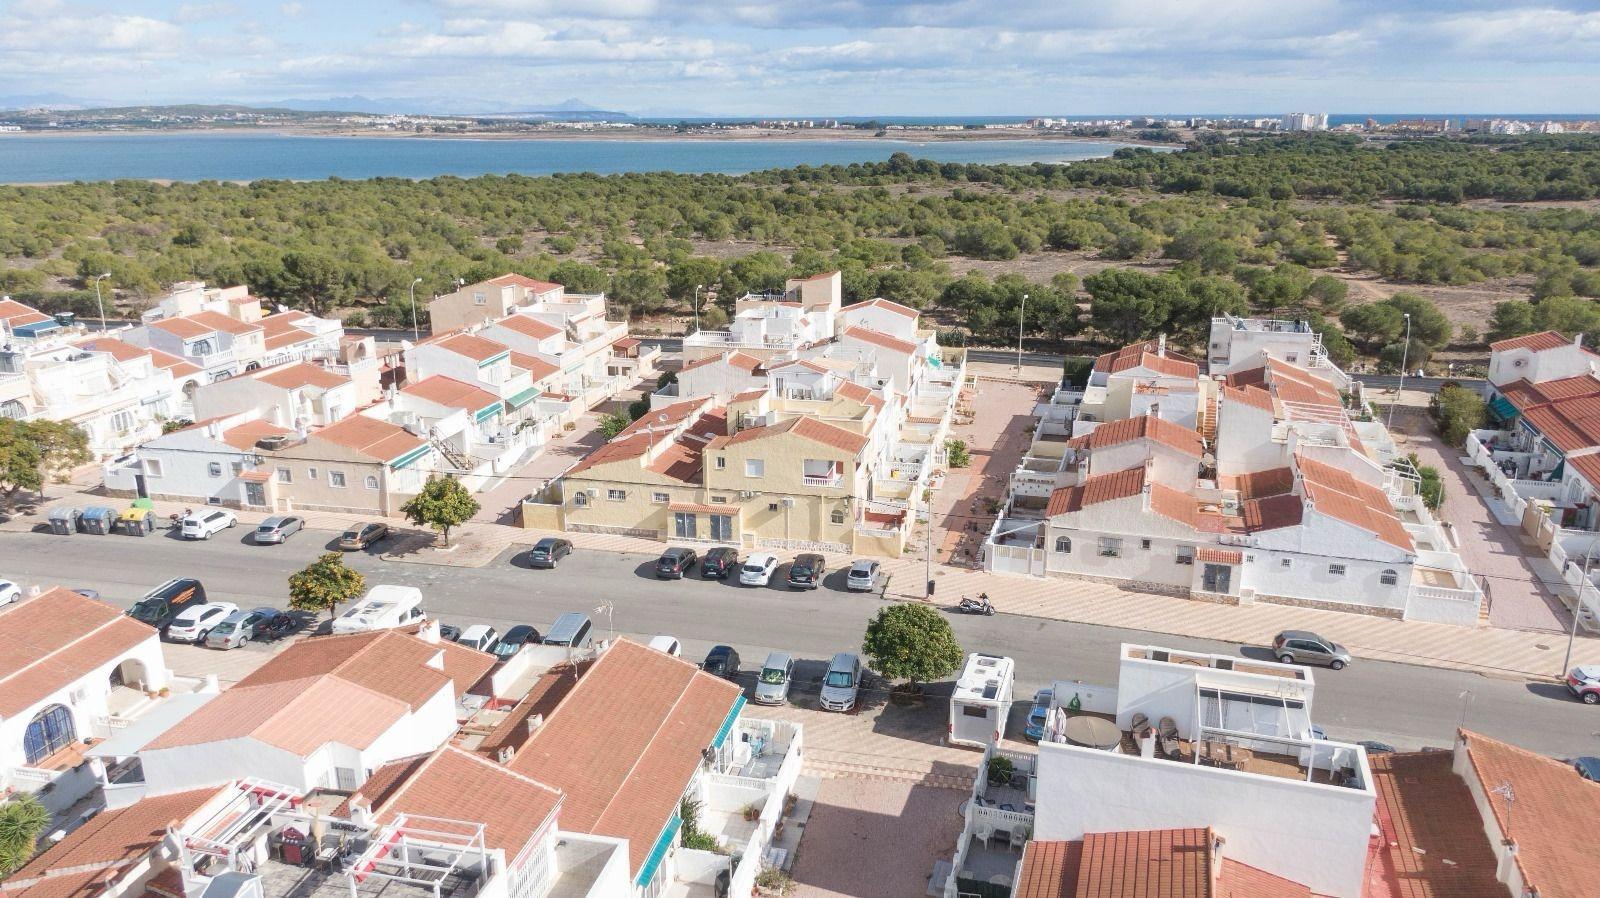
point(131, 672)
point(50, 731)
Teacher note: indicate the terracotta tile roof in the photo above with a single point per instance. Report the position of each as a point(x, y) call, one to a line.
point(1261, 484)
point(1432, 841)
point(179, 367)
point(108, 840)
point(1272, 513)
point(548, 691)
point(1588, 466)
point(1256, 397)
point(1537, 342)
point(298, 716)
point(859, 393)
point(1126, 430)
point(1049, 869)
point(50, 641)
point(1101, 488)
point(665, 417)
point(1148, 355)
point(1566, 411)
point(182, 327)
point(1338, 494)
point(16, 314)
point(117, 349)
point(539, 368)
point(743, 361)
point(282, 329)
point(529, 326)
point(1237, 880)
point(527, 282)
point(886, 305)
point(220, 322)
point(1219, 556)
point(451, 393)
point(626, 741)
point(386, 661)
point(678, 459)
point(377, 440)
point(1167, 863)
point(1552, 821)
point(1175, 505)
point(750, 395)
point(301, 374)
point(625, 343)
point(876, 338)
point(245, 435)
point(808, 364)
point(472, 346)
point(810, 428)
point(458, 785)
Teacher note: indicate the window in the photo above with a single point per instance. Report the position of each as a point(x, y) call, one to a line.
point(1388, 577)
point(152, 467)
point(1336, 570)
point(660, 498)
point(683, 525)
point(1064, 545)
point(214, 468)
point(617, 495)
point(122, 422)
point(50, 731)
point(285, 476)
point(1144, 544)
point(1292, 358)
point(1110, 548)
point(1286, 564)
point(722, 463)
point(837, 517)
point(722, 528)
point(478, 299)
point(974, 711)
point(238, 468)
point(719, 500)
point(372, 482)
point(580, 499)
point(336, 479)
point(1185, 555)
point(754, 467)
point(772, 506)
point(312, 472)
point(13, 409)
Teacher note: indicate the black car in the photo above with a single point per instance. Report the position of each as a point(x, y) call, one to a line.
point(675, 562)
point(719, 563)
point(449, 632)
point(162, 604)
point(807, 571)
point(515, 640)
point(546, 552)
point(722, 661)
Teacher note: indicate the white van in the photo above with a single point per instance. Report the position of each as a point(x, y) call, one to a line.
point(382, 608)
point(981, 701)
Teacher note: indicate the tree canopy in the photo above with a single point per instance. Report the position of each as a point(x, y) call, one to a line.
point(325, 584)
point(911, 642)
point(443, 504)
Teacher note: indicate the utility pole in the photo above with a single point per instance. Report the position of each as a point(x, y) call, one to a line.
point(927, 545)
point(697, 289)
point(1405, 356)
point(1023, 307)
point(98, 301)
point(1577, 609)
point(415, 332)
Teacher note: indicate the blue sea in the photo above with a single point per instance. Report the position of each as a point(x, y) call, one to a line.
point(235, 157)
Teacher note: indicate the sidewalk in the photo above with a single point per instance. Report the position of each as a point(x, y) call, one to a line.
point(1494, 651)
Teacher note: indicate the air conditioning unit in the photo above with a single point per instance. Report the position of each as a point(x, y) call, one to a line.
point(747, 494)
point(593, 492)
point(788, 501)
point(78, 695)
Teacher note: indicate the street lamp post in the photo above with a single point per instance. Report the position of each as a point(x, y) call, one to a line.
point(1577, 608)
point(696, 303)
point(1021, 308)
point(97, 300)
point(1405, 357)
point(416, 333)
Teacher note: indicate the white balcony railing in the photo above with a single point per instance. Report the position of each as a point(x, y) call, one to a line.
point(827, 480)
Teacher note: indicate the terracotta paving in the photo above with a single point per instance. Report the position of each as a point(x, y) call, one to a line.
point(997, 436)
point(904, 828)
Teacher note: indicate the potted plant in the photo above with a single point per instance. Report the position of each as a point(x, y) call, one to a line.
point(1000, 770)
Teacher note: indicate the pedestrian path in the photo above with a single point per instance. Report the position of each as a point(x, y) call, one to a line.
point(1495, 651)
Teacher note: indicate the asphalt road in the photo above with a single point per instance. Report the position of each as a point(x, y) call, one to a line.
point(1408, 706)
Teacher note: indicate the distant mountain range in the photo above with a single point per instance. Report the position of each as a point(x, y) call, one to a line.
point(571, 109)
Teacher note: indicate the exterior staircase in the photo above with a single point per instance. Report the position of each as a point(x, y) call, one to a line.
point(457, 460)
point(1208, 420)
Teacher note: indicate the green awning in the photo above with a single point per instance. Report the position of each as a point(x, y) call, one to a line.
point(647, 871)
point(487, 412)
point(523, 398)
point(1502, 409)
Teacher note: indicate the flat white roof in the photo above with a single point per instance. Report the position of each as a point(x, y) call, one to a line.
point(984, 678)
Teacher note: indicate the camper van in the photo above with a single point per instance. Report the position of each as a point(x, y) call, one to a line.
point(382, 608)
point(981, 701)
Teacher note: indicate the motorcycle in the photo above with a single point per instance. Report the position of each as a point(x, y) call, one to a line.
point(979, 605)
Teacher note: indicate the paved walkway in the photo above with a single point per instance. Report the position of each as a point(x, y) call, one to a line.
point(997, 436)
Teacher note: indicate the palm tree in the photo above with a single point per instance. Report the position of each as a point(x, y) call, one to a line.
point(21, 821)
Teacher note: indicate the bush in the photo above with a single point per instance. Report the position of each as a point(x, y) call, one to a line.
point(1000, 769)
point(956, 453)
point(611, 425)
point(1457, 411)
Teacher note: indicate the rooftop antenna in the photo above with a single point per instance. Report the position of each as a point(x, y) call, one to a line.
point(607, 607)
point(1510, 795)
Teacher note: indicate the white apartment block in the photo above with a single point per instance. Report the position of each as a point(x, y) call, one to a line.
point(1261, 481)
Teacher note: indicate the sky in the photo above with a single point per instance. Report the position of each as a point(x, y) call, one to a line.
point(817, 57)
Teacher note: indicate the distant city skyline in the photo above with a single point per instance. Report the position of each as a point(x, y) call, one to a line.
point(817, 58)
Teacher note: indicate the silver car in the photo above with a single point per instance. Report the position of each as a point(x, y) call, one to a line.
point(772, 683)
point(1305, 647)
point(841, 685)
point(238, 628)
point(863, 576)
point(277, 529)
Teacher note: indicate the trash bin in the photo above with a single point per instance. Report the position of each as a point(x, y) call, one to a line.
point(137, 522)
point(98, 519)
point(65, 520)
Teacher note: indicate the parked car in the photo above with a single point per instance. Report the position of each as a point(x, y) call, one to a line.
point(194, 623)
point(450, 632)
point(1305, 647)
point(478, 636)
point(772, 684)
point(1374, 747)
point(363, 535)
point(1584, 683)
point(667, 644)
point(202, 524)
point(548, 551)
point(278, 529)
point(9, 592)
point(1588, 767)
point(722, 661)
point(80, 590)
point(719, 563)
point(806, 571)
point(516, 639)
point(1033, 730)
point(863, 576)
point(675, 563)
point(758, 569)
point(571, 630)
point(841, 685)
point(160, 605)
point(239, 628)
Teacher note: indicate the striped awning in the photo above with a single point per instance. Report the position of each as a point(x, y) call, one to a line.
point(522, 399)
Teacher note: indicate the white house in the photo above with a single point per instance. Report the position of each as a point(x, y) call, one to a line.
point(296, 395)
